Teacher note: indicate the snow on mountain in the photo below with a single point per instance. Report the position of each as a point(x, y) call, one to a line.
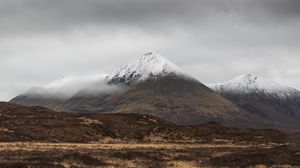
point(251, 84)
point(150, 64)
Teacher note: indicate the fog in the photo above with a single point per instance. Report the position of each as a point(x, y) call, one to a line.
point(74, 86)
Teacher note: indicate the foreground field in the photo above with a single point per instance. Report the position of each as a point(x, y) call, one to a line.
point(33, 137)
point(145, 155)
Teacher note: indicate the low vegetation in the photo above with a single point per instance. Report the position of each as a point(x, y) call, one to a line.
point(38, 137)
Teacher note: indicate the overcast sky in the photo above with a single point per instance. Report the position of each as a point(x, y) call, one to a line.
point(213, 40)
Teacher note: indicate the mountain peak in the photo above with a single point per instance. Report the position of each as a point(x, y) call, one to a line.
point(253, 84)
point(150, 64)
point(152, 58)
point(149, 54)
point(249, 76)
point(249, 79)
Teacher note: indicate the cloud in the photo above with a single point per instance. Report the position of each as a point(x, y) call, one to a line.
point(74, 86)
point(40, 16)
point(65, 87)
point(213, 40)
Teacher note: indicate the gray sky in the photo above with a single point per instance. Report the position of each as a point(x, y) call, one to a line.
point(213, 40)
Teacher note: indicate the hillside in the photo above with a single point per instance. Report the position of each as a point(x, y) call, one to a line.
point(20, 123)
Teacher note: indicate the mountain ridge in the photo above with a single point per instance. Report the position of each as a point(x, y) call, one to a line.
point(154, 85)
point(278, 103)
point(249, 84)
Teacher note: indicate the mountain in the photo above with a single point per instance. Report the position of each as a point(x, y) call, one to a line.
point(155, 86)
point(250, 84)
point(264, 98)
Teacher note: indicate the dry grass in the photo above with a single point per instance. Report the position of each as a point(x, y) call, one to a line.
point(182, 164)
point(88, 121)
point(92, 155)
point(5, 130)
point(30, 146)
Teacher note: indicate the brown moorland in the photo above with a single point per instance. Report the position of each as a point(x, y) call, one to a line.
point(39, 137)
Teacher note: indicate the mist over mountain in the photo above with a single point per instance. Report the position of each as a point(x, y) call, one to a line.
point(69, 86)
point(59, 91)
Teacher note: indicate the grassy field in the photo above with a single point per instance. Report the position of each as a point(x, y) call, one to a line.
point(34, 154)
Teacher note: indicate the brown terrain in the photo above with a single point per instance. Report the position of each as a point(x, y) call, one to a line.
point(39, 137)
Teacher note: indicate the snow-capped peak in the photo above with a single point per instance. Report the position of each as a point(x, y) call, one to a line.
point(252, 84)
point(150, 64)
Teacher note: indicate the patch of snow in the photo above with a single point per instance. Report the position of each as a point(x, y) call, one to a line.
point(249, 84)
point(150, 64)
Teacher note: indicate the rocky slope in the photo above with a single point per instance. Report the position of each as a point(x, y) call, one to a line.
point(264, 98)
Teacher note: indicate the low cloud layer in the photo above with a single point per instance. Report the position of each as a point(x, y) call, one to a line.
point(213, 40)
point(74, 86)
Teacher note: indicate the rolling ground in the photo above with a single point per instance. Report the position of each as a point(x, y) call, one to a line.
point(38, 137)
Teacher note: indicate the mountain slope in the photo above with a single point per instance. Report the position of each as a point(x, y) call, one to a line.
point(155, 86)
point(180, 100)
point(264, 98)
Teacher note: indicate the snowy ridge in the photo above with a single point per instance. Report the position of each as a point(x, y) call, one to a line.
point(150, 64)
point(251, 84)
